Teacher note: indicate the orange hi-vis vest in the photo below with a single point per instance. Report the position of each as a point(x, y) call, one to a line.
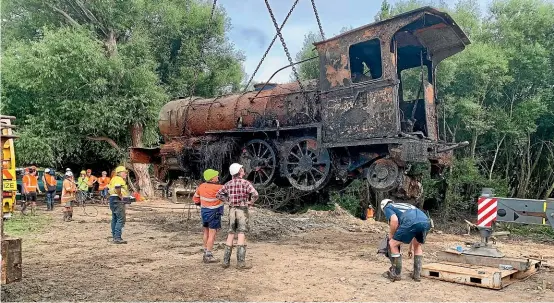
point(30, 183)
point(50, 180)
point(68, 191)
point(103, 182)
point(205, 194)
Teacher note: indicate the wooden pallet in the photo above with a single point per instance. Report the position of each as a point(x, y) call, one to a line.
point(469, 274)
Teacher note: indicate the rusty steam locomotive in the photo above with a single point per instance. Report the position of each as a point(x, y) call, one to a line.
point(352, 122)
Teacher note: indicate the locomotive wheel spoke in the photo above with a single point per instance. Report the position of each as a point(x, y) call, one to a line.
point(310, 158)
point(295, 155)
point(259, 162)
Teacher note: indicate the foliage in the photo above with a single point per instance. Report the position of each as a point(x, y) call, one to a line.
point(76, 70)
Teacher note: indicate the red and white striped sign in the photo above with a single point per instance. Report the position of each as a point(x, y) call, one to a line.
point(486, 211)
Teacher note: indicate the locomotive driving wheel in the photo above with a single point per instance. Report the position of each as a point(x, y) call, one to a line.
point(307, 166)
point(383, 175)
point(259, 162)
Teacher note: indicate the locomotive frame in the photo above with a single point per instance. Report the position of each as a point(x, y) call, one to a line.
point(352, 122)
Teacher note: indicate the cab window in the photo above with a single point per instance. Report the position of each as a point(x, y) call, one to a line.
point(365, 61)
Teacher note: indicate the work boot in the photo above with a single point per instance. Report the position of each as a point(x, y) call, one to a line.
point(209, 258)
point(65, 216)
point(241, 257)
point(227, 256)
point(394, 273)
point(70, 216)
point(417, 268)
point(119, 241)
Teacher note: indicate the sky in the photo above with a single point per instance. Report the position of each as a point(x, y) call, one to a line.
point(252, 28)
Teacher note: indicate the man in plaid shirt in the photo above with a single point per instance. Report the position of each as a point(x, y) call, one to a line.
point(240, 194)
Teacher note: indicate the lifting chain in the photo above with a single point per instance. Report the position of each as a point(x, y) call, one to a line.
point(201, 57)
point(318, 21)
point(287, 52)
point(269, 47)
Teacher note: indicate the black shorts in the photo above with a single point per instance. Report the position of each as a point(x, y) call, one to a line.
point(31, 197)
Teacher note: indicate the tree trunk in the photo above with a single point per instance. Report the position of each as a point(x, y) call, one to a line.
point(496, 155)
point(141, 170)
point(474, 144)
point(549, 191)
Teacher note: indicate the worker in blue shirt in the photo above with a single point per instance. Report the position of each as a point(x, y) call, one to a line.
point(408, 225)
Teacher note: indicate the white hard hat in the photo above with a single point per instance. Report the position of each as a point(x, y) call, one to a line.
point(47, 170)
point(384, 203)
point(68, 169)
point(234, 169)
point(68, 174)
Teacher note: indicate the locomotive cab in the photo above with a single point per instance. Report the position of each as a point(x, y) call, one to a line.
point(379, 80)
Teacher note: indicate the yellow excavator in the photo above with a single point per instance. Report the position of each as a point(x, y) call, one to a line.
point(11, 247)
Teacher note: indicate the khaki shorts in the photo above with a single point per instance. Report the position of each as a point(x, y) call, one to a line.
point(238, 220)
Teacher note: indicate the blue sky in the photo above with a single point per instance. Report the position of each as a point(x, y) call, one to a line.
point(252, 28)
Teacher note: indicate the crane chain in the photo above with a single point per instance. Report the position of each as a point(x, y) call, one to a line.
point(270, 45)
point(201, 58)
point(318, 21)
point(287, 51)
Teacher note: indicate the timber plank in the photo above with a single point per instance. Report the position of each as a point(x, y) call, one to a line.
point(469, 274)
point(455, 257)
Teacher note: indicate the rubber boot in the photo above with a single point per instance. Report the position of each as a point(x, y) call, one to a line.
point(417, 268)
point(227, 256)
point(241, 257)
point(395, 270)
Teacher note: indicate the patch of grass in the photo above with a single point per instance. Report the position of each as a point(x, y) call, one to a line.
point(530, 232)
point(20, 226)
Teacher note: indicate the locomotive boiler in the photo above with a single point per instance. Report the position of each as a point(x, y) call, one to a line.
point(356, 121)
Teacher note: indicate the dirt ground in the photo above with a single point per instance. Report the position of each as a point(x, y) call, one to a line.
point(316, 256)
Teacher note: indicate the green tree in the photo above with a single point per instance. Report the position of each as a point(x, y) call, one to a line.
point(82, 73)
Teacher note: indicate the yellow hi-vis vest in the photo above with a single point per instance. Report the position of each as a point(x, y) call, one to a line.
point(118, 181)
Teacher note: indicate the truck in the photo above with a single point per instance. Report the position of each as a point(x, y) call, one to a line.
point(11, 251)
point(9, 177)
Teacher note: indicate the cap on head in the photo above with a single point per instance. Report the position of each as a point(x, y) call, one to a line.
point(120, 169)
point(210, 174)
point(47, 170)
point(234, 169)
point(384, 203)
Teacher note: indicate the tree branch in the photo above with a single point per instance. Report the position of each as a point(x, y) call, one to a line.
point(66, 15)
point(106, 139)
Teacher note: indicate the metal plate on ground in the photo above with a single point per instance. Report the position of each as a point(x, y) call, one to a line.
point(475, 275)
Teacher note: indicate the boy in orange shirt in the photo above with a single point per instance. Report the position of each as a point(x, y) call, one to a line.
point(211, 210)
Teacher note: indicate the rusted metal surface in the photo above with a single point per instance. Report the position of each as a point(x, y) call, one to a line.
point(194, 117)
point(354, 121)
